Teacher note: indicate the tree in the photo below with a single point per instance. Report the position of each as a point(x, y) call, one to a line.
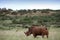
point(10, 10)
point(29, 11)
point(14, 13)
point(34, 10)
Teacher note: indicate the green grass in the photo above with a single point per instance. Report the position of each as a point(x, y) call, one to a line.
point(54, 34)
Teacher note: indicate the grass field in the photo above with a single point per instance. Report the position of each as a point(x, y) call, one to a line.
point(54, 34)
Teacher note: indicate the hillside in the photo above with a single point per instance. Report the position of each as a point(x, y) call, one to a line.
point(26, 18)
point(33, 12)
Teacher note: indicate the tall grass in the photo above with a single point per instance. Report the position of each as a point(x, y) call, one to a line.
point(54, 34)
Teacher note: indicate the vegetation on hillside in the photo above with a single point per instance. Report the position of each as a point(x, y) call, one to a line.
point(10, 18)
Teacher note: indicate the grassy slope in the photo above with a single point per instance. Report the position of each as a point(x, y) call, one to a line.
point(54, 34)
